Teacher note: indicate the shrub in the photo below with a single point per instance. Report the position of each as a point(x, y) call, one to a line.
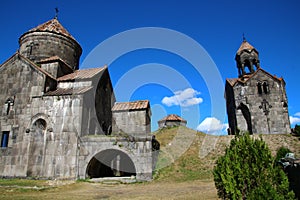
point(297, 130)
point(247, 171)
point(281, 152)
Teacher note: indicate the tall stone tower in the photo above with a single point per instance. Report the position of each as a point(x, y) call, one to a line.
point(256, 101)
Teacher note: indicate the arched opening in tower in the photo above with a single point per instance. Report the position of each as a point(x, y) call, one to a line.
point(248, 65)
point(110, 163)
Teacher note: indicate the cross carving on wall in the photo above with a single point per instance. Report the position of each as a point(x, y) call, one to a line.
point(265, 106)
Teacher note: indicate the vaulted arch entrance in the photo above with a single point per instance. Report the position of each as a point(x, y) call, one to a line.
point(110, 163)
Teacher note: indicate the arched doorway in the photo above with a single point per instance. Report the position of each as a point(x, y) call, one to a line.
point(110, 163)
point(37, 148)
point(247, 115)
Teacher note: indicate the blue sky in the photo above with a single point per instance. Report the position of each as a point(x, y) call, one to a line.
point(165, 74)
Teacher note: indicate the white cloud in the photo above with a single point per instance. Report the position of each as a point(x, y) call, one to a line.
point(294, 120)
point(212, 125)
point(297, 114)
point(185, 98)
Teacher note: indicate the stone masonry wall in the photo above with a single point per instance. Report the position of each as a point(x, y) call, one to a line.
point(58, 147)
point(140, 152)
point(134, 123)
point(18, 81)
point(277, 119)
point(41, 45)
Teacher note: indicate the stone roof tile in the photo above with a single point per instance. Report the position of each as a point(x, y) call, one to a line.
point(68, 91)
point(232, 81)
point(244, 46)
point(82, 74)
point(53, 26)
point(172, 117)
point(134, 105)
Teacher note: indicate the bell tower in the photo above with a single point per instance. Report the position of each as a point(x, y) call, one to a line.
point(256, 101)
point(246, 58)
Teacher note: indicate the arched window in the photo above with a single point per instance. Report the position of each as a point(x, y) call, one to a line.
point(266, 88)
point(8, 104)
point(39, 125)
point(4, 139)
point(259, 89)
point(248, 65)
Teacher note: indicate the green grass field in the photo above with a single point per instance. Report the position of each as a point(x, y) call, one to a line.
point(184, 171)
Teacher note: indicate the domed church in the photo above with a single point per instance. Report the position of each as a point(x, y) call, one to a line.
point(56, 121)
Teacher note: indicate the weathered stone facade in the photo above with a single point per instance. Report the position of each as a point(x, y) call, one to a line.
point(133, 118)
point(50, 39)
point(256, 101)
point(56, 120)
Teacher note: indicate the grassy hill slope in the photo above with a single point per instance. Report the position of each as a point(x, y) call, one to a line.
point(190, 155)
point(184, 171)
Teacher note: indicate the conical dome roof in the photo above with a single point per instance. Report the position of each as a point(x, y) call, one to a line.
point(53, 26)
point(245, 46)
point(50, 39)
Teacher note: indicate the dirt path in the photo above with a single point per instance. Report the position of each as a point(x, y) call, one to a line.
point(153, 190)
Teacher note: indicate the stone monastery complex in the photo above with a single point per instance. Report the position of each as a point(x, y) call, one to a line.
point(57, 121)
point(60, 122)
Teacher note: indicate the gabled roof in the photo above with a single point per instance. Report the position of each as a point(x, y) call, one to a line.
point(128, 106)
point(68, 91)
point(232, 81)
point(172, 117)
point(245, 78)
point(52, 26)
point(245, 46)
point(54, 59)
point(30, 62)
point(82, 74)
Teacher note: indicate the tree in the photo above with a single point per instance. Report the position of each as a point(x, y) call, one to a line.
point(297, 130)
point(247, 171)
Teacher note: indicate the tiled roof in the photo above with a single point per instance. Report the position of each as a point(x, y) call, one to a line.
point(244, 46)
point(172, 117)
point(134, 105)
point(232, 81)
point(82, 74)
point(68, 91)
point(53, 26)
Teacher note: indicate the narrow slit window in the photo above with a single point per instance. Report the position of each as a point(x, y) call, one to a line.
point(266, 88)
point(8, 104)
point(259, 89)
point(4, 139)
